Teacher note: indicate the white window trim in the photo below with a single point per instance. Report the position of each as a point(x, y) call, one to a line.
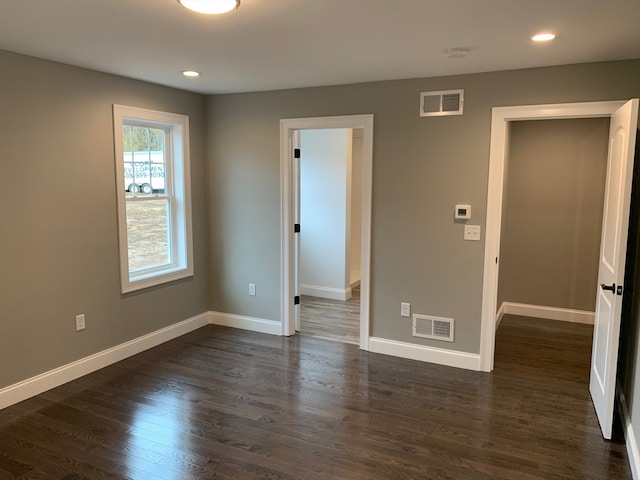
point(181, 211)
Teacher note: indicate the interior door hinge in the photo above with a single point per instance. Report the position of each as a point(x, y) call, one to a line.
point(296, 153)
point(296, 300)
point(296, 228)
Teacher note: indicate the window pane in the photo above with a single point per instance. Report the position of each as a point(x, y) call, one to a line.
point(148, 233)
point(158, 178)
point(144, 160)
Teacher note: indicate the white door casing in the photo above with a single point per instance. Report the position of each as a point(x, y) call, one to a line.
point(500, 119)
point(613, 248)
point(288, 129)
point(296, 221)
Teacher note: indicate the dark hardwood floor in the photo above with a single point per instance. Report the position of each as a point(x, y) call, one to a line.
point(231, 404)
point(331, 319)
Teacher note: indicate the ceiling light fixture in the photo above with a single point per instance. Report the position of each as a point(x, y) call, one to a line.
point(210, 6)
point(190, 73)
point(543, 37)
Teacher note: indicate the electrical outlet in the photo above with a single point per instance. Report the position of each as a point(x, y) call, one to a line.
point(405, 309)
point(252, 289)
point(80, 322)
point(472, 232)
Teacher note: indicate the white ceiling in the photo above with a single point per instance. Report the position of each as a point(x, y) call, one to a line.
point(276, 44)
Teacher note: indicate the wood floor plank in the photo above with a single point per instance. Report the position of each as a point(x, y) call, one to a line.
point(229, 404)
point(331, 319)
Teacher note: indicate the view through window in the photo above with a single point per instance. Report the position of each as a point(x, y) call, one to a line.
point(148, 205)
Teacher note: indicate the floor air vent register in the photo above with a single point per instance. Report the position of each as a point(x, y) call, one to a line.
point(436, 328)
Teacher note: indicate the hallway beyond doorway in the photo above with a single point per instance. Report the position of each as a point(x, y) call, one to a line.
point(331, 319)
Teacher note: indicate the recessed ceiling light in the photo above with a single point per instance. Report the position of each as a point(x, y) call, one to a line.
point(190, 73)
point(543, 37)
point(210, 6)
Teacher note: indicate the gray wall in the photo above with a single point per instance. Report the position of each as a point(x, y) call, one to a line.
point(58, 229)
point(324, 161)
point(58, 232)
point(422, 167)
point(553, 213)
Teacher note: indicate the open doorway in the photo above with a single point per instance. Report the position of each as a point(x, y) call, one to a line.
point(502, 120)
point(550, 242)
point(290, 233)
point(330, 206)
point(612, 257)
point(552, 218)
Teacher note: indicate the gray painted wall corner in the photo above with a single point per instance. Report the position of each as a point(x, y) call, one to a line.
point(59, 232)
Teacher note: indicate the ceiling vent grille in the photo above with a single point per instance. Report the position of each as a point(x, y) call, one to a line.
point(446, 102)
point(436, 328)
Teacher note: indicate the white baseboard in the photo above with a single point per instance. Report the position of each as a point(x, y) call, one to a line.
point(35, 385)
point(441, 356)
point(41, 383)
point(499, 315)
point(259, 325)
point(630, 439)
point(326, 292)
point(550, 313)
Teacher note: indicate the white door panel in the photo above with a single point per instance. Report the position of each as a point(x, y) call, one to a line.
point(612, 208)
point(613, 245)
point(601, 331)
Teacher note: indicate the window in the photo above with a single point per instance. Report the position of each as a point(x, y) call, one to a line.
point(154, 204)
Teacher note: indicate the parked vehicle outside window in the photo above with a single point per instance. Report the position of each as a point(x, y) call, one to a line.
point(144, 172)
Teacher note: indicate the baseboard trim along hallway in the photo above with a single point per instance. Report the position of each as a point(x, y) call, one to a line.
point(541, 311)
point(326, 292)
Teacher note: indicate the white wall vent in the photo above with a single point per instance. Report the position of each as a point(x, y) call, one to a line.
point(446, 102)
point(437, 328)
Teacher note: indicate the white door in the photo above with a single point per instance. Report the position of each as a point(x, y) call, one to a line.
point(604, 355)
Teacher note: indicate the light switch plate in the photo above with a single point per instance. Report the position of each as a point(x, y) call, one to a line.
point(472, 232)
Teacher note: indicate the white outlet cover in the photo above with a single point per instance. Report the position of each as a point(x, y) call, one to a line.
point(80, 322)
point(472, 232)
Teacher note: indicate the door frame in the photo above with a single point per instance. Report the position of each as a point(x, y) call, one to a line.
point(288, 127)
point(499, 151)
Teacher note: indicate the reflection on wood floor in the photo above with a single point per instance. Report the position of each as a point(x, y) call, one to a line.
point(331, 319)
point(226, 404)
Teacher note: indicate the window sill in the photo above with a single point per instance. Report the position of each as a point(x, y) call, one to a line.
point(142, 281)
